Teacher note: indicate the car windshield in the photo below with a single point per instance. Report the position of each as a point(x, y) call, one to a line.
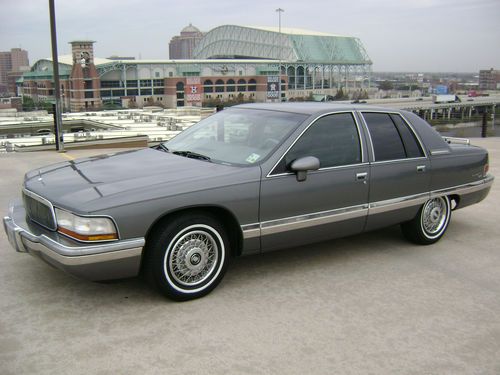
point(238, 136)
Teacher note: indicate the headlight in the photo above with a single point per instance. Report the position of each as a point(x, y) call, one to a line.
point(85, 228)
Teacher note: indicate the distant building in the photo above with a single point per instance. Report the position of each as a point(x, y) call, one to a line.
point(13, 61)
point(9, 103)
point(115, 57)
point(182, 46)
point(489, 79)
point(12, 79)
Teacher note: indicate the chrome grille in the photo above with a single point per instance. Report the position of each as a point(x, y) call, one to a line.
point(39, 210)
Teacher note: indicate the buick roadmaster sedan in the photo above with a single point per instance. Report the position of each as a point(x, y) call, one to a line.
point(248, 179)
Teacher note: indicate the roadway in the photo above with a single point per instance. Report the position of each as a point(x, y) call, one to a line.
point(369, 304)
point(426, 102)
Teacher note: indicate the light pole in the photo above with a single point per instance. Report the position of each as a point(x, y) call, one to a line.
point(279, 10)
point(57, 87)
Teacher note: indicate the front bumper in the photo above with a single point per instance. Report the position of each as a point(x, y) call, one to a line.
point(104, 261)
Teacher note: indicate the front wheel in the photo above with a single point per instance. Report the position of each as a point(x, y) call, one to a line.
point(187, 258)
point(431, 222)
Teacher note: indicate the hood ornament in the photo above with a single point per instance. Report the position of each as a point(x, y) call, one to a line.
point(40, 178)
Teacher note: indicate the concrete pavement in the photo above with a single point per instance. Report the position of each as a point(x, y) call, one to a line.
point(369, 304)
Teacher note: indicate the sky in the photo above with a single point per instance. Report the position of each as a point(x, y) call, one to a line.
point(398, 35)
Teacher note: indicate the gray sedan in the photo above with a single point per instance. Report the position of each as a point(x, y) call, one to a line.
point(246, 180)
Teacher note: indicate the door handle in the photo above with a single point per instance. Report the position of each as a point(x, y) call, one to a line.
point(361, 176)
point(420, 168)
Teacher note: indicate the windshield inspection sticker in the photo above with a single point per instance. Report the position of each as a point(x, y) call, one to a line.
point(252, 158)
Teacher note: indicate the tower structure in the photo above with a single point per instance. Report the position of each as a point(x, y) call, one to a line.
point(182, 46)
point(84, 79)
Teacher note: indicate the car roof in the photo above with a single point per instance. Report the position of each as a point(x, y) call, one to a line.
point(310, 108)
point(430, 137)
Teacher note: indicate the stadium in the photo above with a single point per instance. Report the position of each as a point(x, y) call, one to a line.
point(230, 64)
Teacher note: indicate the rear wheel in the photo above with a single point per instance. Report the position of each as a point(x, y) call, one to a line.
point(431, 222)
point(187, 258)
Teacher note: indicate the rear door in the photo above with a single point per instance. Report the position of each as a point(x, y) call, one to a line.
point(399, 170)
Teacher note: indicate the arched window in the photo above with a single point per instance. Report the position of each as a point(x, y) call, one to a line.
point(219, 85)
point(291, 77)
point(179, 86)
point(242, 85)
point(252, 85)
point(230, 85)
point(208, 86)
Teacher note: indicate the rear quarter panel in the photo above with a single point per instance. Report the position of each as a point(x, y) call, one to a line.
point(464, 164)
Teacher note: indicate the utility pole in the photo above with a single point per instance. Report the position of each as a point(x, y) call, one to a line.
point(279, 10)
point(57, 88)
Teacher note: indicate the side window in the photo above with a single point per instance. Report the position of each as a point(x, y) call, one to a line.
point(412, 147)
point(333, 139)
point(387, 143)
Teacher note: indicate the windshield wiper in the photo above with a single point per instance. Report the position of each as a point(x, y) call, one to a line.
point(192, 155)
point(162, 147)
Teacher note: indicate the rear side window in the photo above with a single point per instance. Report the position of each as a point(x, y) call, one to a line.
point(391, 137)
point(410, 142)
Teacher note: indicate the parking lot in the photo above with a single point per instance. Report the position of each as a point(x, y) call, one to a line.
point(369, 304)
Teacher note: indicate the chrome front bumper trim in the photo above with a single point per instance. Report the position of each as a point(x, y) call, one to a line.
point(95, 262)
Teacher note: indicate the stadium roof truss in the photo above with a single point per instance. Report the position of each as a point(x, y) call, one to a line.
point(113, 66)
point(231, 41)
point(306, 57)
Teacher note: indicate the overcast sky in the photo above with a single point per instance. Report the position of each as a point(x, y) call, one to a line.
point(399, 35)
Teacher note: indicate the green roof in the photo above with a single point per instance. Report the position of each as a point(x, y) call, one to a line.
point(334, 49)
point(291, 45)
point(64, 72)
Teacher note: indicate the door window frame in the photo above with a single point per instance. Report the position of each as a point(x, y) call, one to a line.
point(360, 137)
point(372, 149)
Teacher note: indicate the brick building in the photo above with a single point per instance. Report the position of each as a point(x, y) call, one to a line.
point(12, 63)
point(489, 79)
point(182, 46)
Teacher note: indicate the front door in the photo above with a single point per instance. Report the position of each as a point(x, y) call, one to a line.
point(332, 201)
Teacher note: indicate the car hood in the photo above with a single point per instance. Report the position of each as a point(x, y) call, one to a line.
point(80, 183)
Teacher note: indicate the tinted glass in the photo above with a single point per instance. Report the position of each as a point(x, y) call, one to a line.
point(237, 136)
point(385, 137)
point(412, 147)
point(333, 139)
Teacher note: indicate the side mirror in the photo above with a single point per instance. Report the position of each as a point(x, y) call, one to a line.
point(301, 165)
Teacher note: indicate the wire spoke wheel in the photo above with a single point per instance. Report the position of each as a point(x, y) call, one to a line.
point(434, 216)
point(193, 258)
point(429, 225)
point(187, 255)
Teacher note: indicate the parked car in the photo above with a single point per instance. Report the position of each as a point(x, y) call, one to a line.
point(249, 179)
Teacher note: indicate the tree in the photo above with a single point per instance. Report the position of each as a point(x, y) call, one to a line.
point(386, 85)
point(45, 105)
point(363, 95)
point(340, 95)
point(240, 98)
point(110, 106)
point(28, 103)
